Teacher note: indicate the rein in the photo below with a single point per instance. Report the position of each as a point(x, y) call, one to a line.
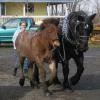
point(63, 58)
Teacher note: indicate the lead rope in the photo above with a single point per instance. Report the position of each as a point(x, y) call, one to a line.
point(61, 57)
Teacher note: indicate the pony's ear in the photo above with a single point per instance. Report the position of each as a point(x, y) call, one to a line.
point(92, 16)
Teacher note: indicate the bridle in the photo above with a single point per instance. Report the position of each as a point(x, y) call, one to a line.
point(77, 35)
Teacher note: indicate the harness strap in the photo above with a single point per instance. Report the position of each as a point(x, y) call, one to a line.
point(63, 58)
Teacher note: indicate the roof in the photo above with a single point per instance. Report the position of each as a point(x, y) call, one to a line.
point(47, 1)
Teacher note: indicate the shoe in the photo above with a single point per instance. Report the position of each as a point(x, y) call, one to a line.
point(15, 71)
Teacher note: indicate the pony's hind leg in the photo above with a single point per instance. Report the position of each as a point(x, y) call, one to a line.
point(22, 77)
point(30, 71)
point(36, 74)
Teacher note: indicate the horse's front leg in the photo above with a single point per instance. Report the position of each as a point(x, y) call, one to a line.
point(65, 67)
point(56, 80)
point(22, 77)
point(80, 68)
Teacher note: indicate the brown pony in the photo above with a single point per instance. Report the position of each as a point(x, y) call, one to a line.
point(38, 47)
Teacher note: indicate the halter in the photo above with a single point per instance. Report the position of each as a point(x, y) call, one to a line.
point(77, 39)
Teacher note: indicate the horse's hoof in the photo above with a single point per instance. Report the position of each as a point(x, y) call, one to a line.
point(57, 82)
point(72, 81)
point(32, 84)
point(21, 82)
point(69, 90)
point(68, 87)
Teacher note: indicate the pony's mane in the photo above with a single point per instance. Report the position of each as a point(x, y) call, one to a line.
point(47, 30)
point(47, 21)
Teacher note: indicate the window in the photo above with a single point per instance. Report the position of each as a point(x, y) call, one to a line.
point(56, 9)
point(13, 23)
point(29, 7)
point(2, 8)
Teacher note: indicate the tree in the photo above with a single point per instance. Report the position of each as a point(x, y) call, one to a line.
point(97, 6)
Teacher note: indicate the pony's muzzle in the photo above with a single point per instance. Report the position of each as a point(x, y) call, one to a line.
point(56, 43)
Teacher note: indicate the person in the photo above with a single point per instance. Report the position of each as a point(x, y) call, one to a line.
point(23, 26)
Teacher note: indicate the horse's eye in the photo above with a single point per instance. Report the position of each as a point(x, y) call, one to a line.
point(86, 26)
point(78, 21)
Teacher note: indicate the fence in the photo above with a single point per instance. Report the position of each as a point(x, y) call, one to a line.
point(37, 19)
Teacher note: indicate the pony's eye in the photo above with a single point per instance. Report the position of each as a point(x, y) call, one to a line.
point(86, 26)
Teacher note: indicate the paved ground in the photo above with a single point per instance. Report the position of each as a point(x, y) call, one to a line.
point(87, 89)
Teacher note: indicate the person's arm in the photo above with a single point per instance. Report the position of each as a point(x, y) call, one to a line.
point(15, 35)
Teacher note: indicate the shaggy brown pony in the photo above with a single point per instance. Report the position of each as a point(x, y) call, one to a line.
point(38, 47)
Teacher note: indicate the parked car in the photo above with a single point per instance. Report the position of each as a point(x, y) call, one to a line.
point(8, 28)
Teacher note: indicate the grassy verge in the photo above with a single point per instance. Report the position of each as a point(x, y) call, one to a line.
point(92, 45)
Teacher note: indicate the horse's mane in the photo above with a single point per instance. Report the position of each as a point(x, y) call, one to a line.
point(80, 15)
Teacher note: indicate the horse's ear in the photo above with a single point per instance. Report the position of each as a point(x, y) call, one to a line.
point(80, 18)
point(92, 16)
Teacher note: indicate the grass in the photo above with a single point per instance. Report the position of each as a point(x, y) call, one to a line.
point(94, 45)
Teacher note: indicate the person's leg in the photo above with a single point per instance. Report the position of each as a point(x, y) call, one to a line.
point(26, 64)
point(16, 63)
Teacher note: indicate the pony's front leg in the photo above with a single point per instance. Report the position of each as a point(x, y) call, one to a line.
point(42, 77)
point(34, 75)
point(22, 77)
point(53, 71)
point(80, 68)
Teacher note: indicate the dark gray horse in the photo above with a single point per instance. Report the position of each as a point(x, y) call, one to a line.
point(74, 43)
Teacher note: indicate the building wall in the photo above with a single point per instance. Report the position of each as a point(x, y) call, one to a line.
point(18, 9)
point(40, 9)
point(14, 9)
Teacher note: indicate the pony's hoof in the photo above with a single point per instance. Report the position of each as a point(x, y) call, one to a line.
point(37, 86)
point(21, 82)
